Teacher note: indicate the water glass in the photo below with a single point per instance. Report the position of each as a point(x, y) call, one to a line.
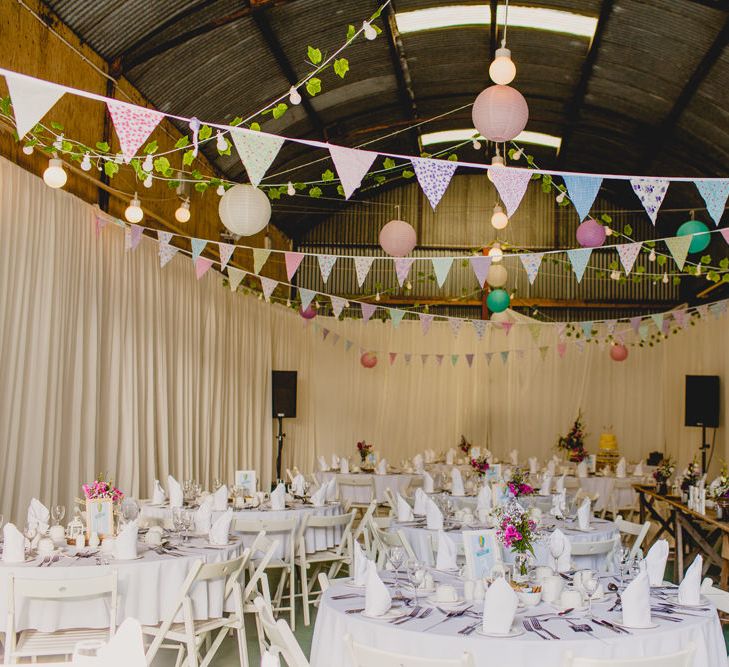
point(178, 522)
point(57, 513)
point(188, 518)
point(416, 574)
point(590, 582)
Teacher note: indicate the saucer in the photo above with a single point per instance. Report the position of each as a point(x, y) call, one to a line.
point(388, 615)
point(350, 584)
point(219, 546)
point(452, 603)
point(514, 632)
point(636, 627)
point(674, 600)
point(123, 560)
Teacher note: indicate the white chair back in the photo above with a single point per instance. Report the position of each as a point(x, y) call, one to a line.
point(718, 597)
point(362, 655)
point(279, 637)
point(636, 529)
point(681, 659)
point(351, 485)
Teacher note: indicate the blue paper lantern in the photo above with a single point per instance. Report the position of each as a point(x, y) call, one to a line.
point(699, 242)
point(498, 300)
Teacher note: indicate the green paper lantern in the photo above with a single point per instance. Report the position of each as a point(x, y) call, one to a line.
point(700, 242)
point(498, 300)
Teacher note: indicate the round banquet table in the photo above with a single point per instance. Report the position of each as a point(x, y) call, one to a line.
point(147, 588)
point(396, 482)
point(317, 539)
point(443, 641)
point(622, 486)
point(421, 540)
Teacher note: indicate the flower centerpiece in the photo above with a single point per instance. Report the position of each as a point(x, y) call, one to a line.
point(663, 472)
point(364, 450)
point(518, 486)
point(718, 491)
point(516, 530)
point(101, 495)
point(691, 476)
point(480, 464)
point(464, 445)
point(573, 444)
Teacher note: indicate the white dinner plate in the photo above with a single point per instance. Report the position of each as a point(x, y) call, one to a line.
point(388, 615)
point(351, 584)
point(441, 603)
point(674, 599)
point(514, 632)
point(561, 608)
point(218, 546)
point(124, 560)
point(636, 627)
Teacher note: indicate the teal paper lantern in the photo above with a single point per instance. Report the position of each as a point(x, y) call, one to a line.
point(700, 242)
point(498, 300)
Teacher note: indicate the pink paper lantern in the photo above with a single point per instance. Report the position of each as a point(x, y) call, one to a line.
point(618, 352)
point(397, 238)
point(500, 113)
point(591, 234)
point(309, 313)
point(368, 360)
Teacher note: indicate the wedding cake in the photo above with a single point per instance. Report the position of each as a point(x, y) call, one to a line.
point(608, 452)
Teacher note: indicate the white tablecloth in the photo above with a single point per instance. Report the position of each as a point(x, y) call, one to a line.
point(397, 483)
point(625, 496)
point(443, 641)
point(317, 539)
point(420, 540)
point(147, 589)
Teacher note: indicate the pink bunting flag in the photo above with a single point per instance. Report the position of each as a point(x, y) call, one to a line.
point(681, 316)
point(635, 322)
point(506, 326)
point(132, 236)
point(324, 333)
point(434, 177)
point(393, 356)
point(202, 264)
point(628, 253)
point(511, 185)
point(226, 252)
point(469, 359)
point(402, 268)
point(292, 259)
point(425, 321)
point(702, 310)
point(561, 349)
point(352, 165)
point(100, 223)
point(368, 310)
point(268, 285)
point(725, 233)
point(439, 359)
point(455, 324)
point(480, 265)
point(133, 125)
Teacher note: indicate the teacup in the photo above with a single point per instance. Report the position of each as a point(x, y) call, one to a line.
point(45, 546)
point(446, 593)
point(542, 572)
point(570, 599)
point(552, 588)
point(153, 537)
point(57, 534)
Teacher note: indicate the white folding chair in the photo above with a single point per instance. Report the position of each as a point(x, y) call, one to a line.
point(278, 636)
point(363, 530)
point(363, 655)
point(602, 547)
point(681, 659)
point(189, 635)
point(416, 482)
point(334, 558)
point(32, 643)
point(360, 490)
point(390, 500)
point(621, 488)
point(639, 531)
point(384, 539)
point(323, 582)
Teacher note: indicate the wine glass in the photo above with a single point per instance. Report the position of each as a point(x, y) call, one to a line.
point(178, 523)
point(590, 583)
point(416, 574)
point(396, 555)
point(58, 512)
point(188, 518)
point(623, 554)
point(30, 531)
point(130, 509)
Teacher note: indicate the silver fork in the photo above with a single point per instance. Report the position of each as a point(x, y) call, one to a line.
point(408, 617)
point(528, 627)
point(538, 626)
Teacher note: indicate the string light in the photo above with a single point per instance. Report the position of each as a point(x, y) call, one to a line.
point(294, 95)
point(496, 253)
point(220, 142)
point(134, 212)
point(55, 176)
point(148, 181)
point(518, 153)
point(86, 162)
point(220, 190)
point(476, 144)
point(369, 32)
point(182, 214)
point(502, 70)
point(267, 242)
point(58, 143)
point(148, 163)
point(377, 296)
point(496, 162)
point(608, 231)
point(290, 189)
point(664, 280)
point(408, 285)
point(499, 219)
point(561, 196)
point(28, 150)
point(615, 275)
point(652, 256)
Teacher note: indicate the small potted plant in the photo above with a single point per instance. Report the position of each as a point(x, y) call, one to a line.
point(662, 473)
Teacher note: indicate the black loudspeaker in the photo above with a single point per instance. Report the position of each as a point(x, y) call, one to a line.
point(284, 394)
point(702, 400)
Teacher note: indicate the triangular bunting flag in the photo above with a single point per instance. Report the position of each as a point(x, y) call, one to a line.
point(580, 345)
point(455, 324)
point(132, 236)
point(425, 321)
point(582, 191)
point(520, 354)
point(628, 253)
point(489, 356)
point(260, 255)
point(715, 194)
point(560, 326)
point(133, 125)
point(511, 185)
point(658, 320)
point(338, 304)
point(293, 259)
point(408, 357)
point(718, 309)
point(268, 285)
point(635, 322)
point(235, 276)
point(307, 296)
point(434, 177)
point(347, 345)
point(335, 338)
point(679, 247)
point(536, 331)
point(454, 359)
point(643, 331)
point(610, 326)
point(396, 316)
point(32, 99)
point(439, 359)
point(351, 165)
point(402, 268)
point(579, 257)
point(480, 327)
point(651, 192)
point(543, 352)
point(587, 329)
point(531, 263)
point(506, 326)
point(702, 310)
point(324, 333)
point(226, 252)
point(368, 310)
point(441, 266)
point(480, 265)
point(725, 233)
point(362, 266)
point(504, 356)
point(197, 245)
point(166, 253)
point(100, 223)
point(681, 316)
point(202, 264)
point(469, 360)
point(561, 349)
point(393, 356)
point(326, 264)
point(424, 358)
point(256, 150)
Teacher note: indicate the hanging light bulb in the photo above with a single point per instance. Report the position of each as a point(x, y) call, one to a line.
point(220, 190)
point(560, 197)
point(58, 143)
point(652, 256)
point(664, 280)
point(615, 275)
point(502, 70)
point(294, 95)
point(54, 175)
point(86, 162)
point(499, 219)
point(476, 144)
point(28, 150)
point(267, 242)
point(290, 189)
point(496, 162)
point(288, 303)
point(148, 163)
point(518, 153)
point(377, 296)
point(148, 181)
point(408, 285)
point(369, 32)
point(134, 212)
point(608, 231)
point(496, 253)
point(220, 143)
point(182, 214)
point(698, 269)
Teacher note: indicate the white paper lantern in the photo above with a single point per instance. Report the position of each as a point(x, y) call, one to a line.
point(499, 318)
point(497, 275)
point(397, 238)
point(244, 210)
point(500, 113)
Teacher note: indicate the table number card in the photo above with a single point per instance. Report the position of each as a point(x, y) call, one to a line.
point(493, 474)
point(482, 552)
point(246, 480)
point(100, 517)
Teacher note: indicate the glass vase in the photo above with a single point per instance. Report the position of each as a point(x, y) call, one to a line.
point(521, 568)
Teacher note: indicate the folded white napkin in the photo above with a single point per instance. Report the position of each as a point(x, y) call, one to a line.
point(564, 560)
point(637, 602)
point(450, 456)
point(620, 469)
point(39, 516)
point(271, 658)
point(323, 465)
point(638, 470)
point(125, 648)
point(331, 489)
point(278, 498)
point(556, 509)
point(484, 500)
point(428, 484)
point(559, 484)
point(319, 497)
point(125, 543)
point(421, 502)
point(546, 488)
point(335, 462)
point(434, 517)
point(419, 463)
point(457, 483)
point(204, 515)
point(361, 563)
point(689, 590)
point(298, 486)
point(582, 468)
point(447, 553)
point(14, 549)
point(514, 457)
point(533, 465)
point(404, 511)
point(220, 499)
point(551, 467)
point(381, 467)
point(499, 607)
point(377, 597)
point(584, 512)
point(655, 562)
point(344, 465)
point(174, 491)
point(158, 495)
point(220, 530)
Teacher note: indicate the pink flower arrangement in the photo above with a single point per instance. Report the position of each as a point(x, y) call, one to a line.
point(480, 465)
point(515, 529)
point(364, 449)
point(464, 445)
point(101, 489)
point(518, 484)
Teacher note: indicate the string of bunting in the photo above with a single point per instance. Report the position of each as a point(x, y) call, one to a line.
point(32, 98)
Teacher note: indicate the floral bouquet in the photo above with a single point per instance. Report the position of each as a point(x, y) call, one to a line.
point(573, 444)
point(364, 450)
point(464, 445)
point(664, 470)
point(480, 465)
point(719, 488)
point(518, 483)
point(516, 530)
point(691, 476)
point(101, 489)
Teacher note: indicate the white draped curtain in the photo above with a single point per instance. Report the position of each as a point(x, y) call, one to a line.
point(110, 364)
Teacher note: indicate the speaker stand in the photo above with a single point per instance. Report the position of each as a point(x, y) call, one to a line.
point(279, 438)
point(704, 448)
